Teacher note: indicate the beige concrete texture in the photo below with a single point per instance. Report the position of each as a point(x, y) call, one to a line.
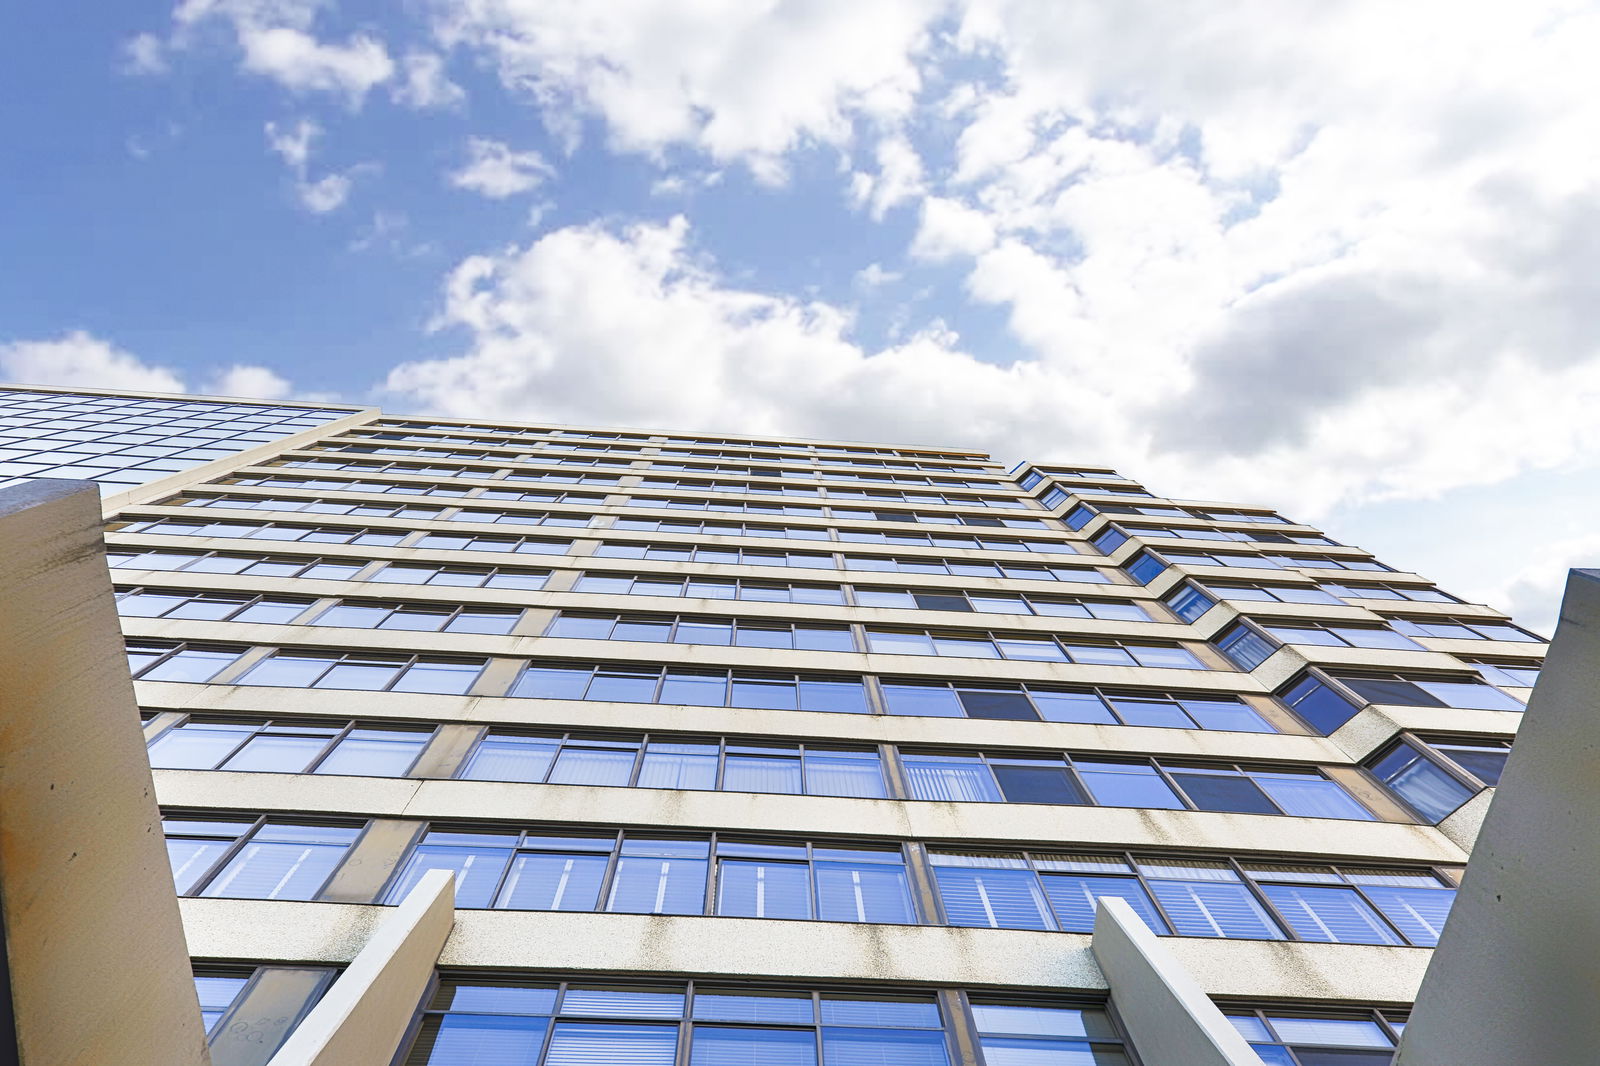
point(782, 950)
point(99, 972)
point(1514, 978)
point(364, 1016)
point(1376, 724)
point(1167, 1014)
point(969, 824)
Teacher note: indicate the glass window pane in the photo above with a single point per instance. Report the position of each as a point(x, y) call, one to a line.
point(883, 1047)
point(586, 1044)
point(1126, 785)
point(277, 754)
point(451, 1039)
point(196, 746)
point(1419, 912)
point(1310, 795)
point(544, 881)
point(992, 898)
point(272, 870)
point(1038, 783)
point(718, 1046)
point(191, 664)
point(375, 753)
point(1074, 898)
point(477, 871)
point(648, 884)
point(697, 688)
point(844, 774)
point(1328, 914)
point(593, 766)
point(950, 778)
point(755, 889)
point(1223, 792)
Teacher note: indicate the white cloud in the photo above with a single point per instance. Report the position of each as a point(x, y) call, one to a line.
point(81, 360)
point(593, 325)
point(144, 53)
point(494, 170)
point(425, 85)
point(873, 276)
point(899, 177)
point(276, 40)
point(317, 195)
point(949, 229)
point(256, 382)
point(739, 81)
point(298, 61)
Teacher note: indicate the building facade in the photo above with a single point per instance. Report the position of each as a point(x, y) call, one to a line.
point(749, 750)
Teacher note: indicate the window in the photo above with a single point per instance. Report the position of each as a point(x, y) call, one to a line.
point(214, 606)
point(643, 873)
point(521, 518)
point(1420, 593)
point(254, 859)
point(1245, 647)
point(690, 629)
point(683, 553)
point(707, 588)
point(1256, 591)
point(1421, 690)
point(182, 527)
point(495, 577)
point(1115, 782)
point(1435, 777)
point(1293, 1038)
point(1106, 706)
point(1189, 603)
point(467, 542)
point(1014, 1032)
point(370, 671)
point(694, 686)
point(1319, 704)
point(1036, 647)
point(1144, 567)
point(481, 1019)
point(151, 660)
point(684, 762)
point(974, 568)
point(306, 504)
point(217, 993)
point(288, 747)
point(1514, 675)
point(1333, 634)
point(950, 540)
point(226, 563)
point(418, 617)
point(996, 602)
point(1189, 896)
point(1326, 562)
point(1109, 540)
point(1464, 629)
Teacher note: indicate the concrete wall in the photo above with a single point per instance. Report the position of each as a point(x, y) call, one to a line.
point(1514, 978)
point(98, 967)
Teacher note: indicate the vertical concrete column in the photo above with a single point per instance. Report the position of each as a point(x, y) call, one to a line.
point(98, 969)
point(365, 1014)
point(1514, 978)
point(1171, 1021)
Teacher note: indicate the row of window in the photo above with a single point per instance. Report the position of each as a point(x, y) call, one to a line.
point(821, 636)
point(938, 540)
point(865, 514)
point(1190, 600)
point(311, 567)
point(1432, 777)
point(1323, 701)
point(733, 875)
point(1145, 567)
point(478, 1021)
point(832, 492)
point(963, 600)
point(489, 461)
point(1084, 513)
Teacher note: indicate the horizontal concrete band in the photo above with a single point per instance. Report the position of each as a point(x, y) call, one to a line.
point(640, 945)
point(970, 824)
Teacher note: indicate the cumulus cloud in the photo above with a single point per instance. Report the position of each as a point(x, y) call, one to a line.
point(256, 382)
point(494, 170)
point(898, 178)
point(80, 360)
point(739, 81)
point(276, 39)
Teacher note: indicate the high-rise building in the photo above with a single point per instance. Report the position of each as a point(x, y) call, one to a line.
point(748, 750)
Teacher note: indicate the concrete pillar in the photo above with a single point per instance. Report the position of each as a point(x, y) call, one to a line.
point(365, 1014)
point(1515, 978)
point(97, 965)
point(1171, 1021)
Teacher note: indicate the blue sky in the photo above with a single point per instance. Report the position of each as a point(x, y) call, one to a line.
point(1330, 257)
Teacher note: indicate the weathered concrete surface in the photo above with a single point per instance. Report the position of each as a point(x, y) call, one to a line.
point(364, 1016)
point(1515, 978)
point(1169, 1016)
point(98, 966)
